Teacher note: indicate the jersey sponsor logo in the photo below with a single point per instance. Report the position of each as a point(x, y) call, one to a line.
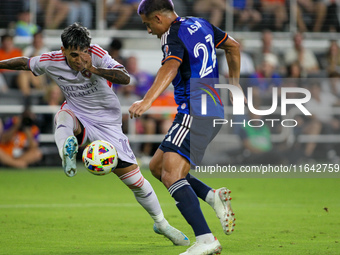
point(80, 90)
point(194, 27)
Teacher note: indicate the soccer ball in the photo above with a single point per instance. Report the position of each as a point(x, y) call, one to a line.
point(100, 157)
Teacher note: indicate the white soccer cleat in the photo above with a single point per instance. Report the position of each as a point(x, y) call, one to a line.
point(173, 234)
point(70, 151)
point(204, 249)
point(223, 210)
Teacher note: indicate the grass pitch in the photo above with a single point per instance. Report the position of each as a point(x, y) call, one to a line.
point(44, 212)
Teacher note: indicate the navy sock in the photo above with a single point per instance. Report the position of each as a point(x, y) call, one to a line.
point(188, 204)
point(200, 188)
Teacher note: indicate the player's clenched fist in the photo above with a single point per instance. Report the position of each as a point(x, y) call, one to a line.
point(86, 60)
point(138, 108)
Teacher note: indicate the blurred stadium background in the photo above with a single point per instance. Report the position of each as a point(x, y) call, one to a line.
point(267, 29)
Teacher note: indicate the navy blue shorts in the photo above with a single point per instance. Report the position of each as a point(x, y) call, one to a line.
point(189, 136)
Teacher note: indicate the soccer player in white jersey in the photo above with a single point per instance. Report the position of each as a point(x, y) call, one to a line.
point(85, 73)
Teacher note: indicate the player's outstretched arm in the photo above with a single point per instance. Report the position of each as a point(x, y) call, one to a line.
point(20, 63)
point(119, 76)
point(164, 77)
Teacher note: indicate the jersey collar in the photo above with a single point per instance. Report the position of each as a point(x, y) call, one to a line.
point(176, 20)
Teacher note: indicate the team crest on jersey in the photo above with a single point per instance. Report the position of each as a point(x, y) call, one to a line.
point(166, 51)
point(86, 73)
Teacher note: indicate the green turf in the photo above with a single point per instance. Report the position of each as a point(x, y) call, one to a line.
point(44, 212)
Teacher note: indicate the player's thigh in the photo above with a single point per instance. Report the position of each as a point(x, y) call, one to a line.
point(156, 163)
point(124, 170)
point(174, 168)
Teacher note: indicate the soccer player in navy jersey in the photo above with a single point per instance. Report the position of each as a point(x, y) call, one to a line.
point(189, 63)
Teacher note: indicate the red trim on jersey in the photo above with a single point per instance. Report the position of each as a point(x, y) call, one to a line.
point(61, 107)
point(56, 60)
point(52, 57)
point(109, 83)
point(97, 51)
point(98, 48)
point(118, 66)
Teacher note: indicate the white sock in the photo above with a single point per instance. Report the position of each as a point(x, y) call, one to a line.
point(145, 195)
point(66, 123)
point(160, 221)
point(206, 238)
point(210, 198)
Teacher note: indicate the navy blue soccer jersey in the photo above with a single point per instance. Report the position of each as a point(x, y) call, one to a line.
point(192, 42)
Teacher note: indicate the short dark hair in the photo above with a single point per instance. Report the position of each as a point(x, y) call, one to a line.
point(116, 44)
point(76, 36)
point(5, 36)
point(146, 7)
point(38, 32)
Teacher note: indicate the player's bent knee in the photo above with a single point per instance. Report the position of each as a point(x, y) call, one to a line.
point(64, 113)
point(65, 116)
point(168, 179)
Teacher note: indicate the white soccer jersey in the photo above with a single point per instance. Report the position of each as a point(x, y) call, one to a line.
point(90, 98)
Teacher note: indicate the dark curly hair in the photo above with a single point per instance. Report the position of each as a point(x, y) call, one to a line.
point(76, 36)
